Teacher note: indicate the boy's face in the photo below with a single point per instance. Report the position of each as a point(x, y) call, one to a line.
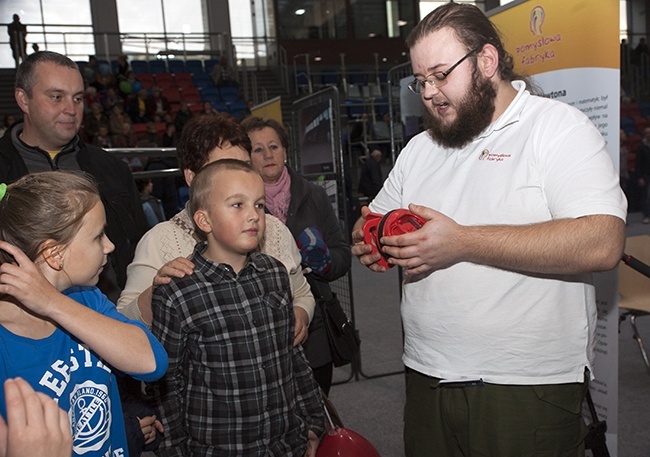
point(234, 218)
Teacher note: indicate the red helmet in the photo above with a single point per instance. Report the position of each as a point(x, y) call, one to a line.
point(342, 442)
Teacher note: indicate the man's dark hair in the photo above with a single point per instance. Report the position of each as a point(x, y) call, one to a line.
point(26, 73)
point(472, 28)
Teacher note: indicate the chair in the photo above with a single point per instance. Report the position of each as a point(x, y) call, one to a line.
point(174, 107)
point(194, 66)
point(329, 78)
point(237, 108)
point(161, 127)
point(146, 79)
point(172, 94)
point(209, 64)
point(139, 129)
point(229, 93)
point(183, 80)
point(202, 80)
point(210, 91)
point(191, 96)
point(139, 66)
point(220, 106)
point(157, 66)
point(176, 66)
point(634, 288)
point(196, 108)
point(165, 79)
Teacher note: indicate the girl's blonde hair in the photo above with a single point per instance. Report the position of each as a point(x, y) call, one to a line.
point(45, 206)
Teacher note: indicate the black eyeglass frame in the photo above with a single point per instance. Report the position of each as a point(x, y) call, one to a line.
point(417, 85)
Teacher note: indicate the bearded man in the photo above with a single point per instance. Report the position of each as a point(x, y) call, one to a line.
point(522, 203)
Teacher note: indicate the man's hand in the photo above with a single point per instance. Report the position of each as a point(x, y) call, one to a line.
point(362, 250)
point(433, 247)
point(150, 426)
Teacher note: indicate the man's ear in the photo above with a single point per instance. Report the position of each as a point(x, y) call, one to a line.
point(488, 60)
point(22, 100)
point(189, 176)
point(52, 255)
point(202, 221)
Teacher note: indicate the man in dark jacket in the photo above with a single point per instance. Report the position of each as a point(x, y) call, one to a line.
point(370, 180)
point(49, 91)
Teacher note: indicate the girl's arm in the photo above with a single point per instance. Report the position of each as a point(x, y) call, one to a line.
point(122, 345)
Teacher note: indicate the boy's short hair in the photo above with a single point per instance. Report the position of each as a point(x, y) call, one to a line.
point(202, 185)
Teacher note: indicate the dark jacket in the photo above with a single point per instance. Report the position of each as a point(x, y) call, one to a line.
point(310, 206)
point(125, 218)
point(370, 180)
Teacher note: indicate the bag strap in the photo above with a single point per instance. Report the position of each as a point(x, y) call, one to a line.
point(319, 288)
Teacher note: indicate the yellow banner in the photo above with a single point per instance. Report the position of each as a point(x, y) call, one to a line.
point(271, 109)
point(547, 35)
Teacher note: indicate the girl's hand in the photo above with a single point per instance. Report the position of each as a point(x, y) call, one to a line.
point(24, 281)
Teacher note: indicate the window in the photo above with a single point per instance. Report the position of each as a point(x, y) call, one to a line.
point(72, 37)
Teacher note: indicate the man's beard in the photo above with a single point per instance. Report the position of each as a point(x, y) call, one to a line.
point(473, 114)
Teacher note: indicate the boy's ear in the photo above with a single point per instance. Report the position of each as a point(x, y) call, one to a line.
point(202, 221)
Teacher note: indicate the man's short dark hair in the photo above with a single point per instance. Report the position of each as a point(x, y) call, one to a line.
point(472, 28)
point(26, 73)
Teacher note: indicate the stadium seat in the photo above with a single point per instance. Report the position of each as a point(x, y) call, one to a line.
point(183, 80)
point(139, 129)
point(139, 66)
point(165, 79)
point(175, 66)
point(229, 93)
point(210, 91)
point(172, 94)
point(202, 80)
point(157, 66)
point(194, 66)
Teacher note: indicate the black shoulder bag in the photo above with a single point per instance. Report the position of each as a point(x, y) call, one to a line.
point(342, 336)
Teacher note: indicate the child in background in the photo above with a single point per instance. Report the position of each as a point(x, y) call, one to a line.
point(58, 331)
point(236, 384)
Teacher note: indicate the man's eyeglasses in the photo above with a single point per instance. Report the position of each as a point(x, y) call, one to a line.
point(437, 78)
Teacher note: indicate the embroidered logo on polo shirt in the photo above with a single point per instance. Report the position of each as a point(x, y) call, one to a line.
point(486, 155)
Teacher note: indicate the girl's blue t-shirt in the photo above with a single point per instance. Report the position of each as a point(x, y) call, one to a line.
point(61, 367)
